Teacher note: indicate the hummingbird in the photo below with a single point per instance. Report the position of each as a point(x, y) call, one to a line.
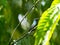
point(30, 30)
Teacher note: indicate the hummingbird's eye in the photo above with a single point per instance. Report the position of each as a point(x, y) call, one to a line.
point(35, 21)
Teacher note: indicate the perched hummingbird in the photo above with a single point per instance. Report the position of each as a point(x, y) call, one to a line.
point(32, 28)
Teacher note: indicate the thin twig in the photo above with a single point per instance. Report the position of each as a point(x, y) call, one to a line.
point(22, 20)
point(24, 35)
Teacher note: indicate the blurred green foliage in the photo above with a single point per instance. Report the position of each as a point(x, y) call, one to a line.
point(46, 26)
point(9, 11)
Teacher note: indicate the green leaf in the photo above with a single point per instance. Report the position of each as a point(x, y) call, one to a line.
point(47, 23)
